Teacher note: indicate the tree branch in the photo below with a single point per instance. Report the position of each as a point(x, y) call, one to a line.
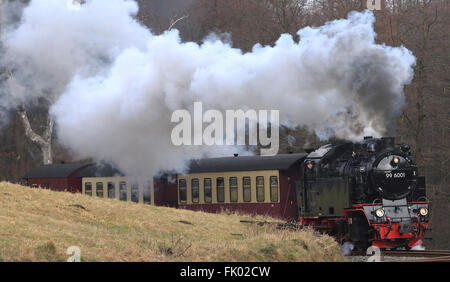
point(29, 132)
point(174, 22)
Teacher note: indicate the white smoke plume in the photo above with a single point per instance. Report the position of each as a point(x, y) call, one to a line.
point(115, 84)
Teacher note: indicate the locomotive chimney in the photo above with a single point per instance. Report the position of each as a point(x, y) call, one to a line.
point(388, 143)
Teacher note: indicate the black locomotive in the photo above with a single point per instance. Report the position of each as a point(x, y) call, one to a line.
point(367, 192)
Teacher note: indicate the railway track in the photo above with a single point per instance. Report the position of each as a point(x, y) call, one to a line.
point(419, 256)
point(436, 259)
point(412, 256)
point(425, 253)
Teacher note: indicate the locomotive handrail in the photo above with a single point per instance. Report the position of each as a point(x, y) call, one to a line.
point(424, 197)
point(374, 201)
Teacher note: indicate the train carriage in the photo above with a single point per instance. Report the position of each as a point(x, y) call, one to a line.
point(104, 181)
point(250, 184)
point(57, 177)
point(107, 182)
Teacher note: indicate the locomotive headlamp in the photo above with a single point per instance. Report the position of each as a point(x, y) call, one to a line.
point(380, 212)
point(395, 161)
point(423, 211)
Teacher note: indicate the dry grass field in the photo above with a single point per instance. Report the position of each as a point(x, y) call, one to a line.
point(40, 225)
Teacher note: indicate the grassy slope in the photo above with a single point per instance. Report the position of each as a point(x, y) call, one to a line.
point(39, 225)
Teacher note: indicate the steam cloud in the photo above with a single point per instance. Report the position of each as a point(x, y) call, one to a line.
point(115, 84)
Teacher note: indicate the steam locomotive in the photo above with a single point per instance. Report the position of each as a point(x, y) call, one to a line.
point(367, 192)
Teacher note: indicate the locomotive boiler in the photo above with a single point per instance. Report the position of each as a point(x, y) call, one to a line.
point(369, 193)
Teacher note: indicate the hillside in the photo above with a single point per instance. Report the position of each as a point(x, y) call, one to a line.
point(40, 225)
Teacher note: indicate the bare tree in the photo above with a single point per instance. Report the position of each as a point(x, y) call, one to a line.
point(44, 141)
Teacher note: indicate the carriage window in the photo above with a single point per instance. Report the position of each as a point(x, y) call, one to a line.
point(247, 195)
point(99, 189)
point(123, 191)
point(194, 190)
point(135, 192)
point(182, 188)
point(233, 189)
point(146, 194)
point(207, 190)
point(260, 197)
point(111, 190)
point(274, 189)
point(88, 188)
point(220, 190)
